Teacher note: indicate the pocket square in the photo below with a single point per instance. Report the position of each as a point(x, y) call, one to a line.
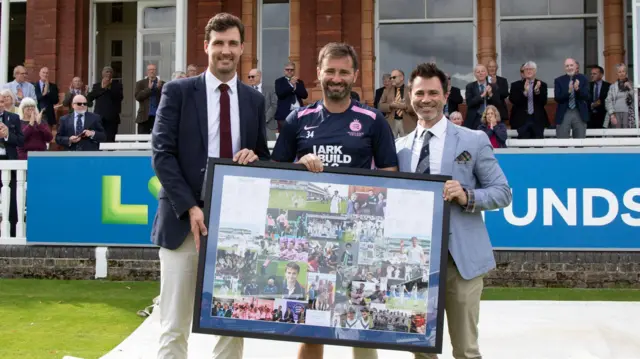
point(463, 157)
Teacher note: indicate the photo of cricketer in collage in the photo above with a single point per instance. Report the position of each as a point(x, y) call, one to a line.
point(318, 254)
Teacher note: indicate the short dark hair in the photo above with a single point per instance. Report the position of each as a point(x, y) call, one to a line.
point(338, 50)
point(429, 70)
point(294, 266)
point(222, 22)
point(599, 68)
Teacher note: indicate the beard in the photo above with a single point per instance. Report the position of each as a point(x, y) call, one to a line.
point(337, 95)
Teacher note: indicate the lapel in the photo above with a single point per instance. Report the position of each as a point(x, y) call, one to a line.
point(244, 97)
point(200, 101)
point(449, 152)
point(406, 146)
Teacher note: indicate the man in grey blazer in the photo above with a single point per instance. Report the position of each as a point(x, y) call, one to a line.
point(437, 146)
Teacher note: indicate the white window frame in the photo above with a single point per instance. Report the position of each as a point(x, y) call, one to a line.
point(260, 3)
point(377, 22)
point(600, 23)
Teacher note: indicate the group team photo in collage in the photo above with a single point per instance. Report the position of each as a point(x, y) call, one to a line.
point(324, 256)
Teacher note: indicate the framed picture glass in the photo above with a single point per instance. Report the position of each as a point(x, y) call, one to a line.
point(344, 257)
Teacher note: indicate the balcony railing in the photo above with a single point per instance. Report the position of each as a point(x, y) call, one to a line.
point(20, 167)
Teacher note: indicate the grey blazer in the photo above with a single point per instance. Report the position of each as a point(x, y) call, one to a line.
point(488, 189)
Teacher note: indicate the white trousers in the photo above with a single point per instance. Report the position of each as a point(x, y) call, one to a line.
point(178, 273)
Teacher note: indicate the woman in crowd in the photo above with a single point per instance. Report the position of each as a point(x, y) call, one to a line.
point(619, 101)
point(9, 100)
point(36, 132)
point(493, 127)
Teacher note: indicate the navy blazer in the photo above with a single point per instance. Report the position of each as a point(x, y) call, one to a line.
point(561, 95)
point(287, 96)
point(47, 102)
point(15, 138)
point(180, 145)
point(67, 129)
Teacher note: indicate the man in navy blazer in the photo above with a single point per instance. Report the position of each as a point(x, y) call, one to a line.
point(11, 137)
point(80, 130)
point(290, 91)
point(571, 92)
point(210, 115)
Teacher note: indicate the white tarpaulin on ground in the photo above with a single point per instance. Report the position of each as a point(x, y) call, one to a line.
point(508, 329)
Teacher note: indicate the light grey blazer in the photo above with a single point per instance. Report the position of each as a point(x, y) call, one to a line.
point(488, 189)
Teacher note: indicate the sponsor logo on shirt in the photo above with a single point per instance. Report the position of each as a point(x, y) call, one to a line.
point(331, 155)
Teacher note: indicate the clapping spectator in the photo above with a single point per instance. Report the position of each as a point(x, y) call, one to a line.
point(493, 127)
point(36, 132)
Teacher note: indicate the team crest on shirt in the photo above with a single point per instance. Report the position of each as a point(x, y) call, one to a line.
point(355, 126)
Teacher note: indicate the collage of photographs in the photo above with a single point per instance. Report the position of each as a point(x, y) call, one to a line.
point(322, 254)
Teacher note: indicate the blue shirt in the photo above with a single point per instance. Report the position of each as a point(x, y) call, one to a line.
point(360, 137)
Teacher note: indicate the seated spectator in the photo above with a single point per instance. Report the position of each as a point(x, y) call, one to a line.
point(9, 100)
point(36, 133)
point(456, 118)
point(493, 127)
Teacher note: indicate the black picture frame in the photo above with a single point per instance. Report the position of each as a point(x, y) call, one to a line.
point(214, 163)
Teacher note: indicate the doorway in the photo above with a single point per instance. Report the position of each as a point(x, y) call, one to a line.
point(130, 35)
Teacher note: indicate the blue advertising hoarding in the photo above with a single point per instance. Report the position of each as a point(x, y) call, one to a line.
point(577, 199)
point(82, 198)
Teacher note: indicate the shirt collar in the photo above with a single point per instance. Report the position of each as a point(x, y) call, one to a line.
point(438, 130)
point(213, 82)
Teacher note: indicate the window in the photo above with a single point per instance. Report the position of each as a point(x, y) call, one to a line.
point(117, 13)
point(547, 32)
point(629, 42)
point(159, 17)
point(404, 26)
point(273, 49)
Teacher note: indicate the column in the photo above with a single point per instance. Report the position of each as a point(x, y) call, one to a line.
point(614, 40)
point(328, 29)
point(249, 58)
point(4, 41)
point(486, 31)
point(367, 70)
point(181, 36)
point(294, 33)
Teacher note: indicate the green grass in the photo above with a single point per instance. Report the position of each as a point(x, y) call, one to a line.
point(42, 319)
point(48, 319)
point(280, 198)
point(563, 294)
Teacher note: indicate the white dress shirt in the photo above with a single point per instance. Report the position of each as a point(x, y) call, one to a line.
point(436, 146)
point(213, 113)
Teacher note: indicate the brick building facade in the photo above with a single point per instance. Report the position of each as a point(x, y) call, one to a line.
point(54, 41)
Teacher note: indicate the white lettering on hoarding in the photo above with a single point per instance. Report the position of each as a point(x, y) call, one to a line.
point(568, 209)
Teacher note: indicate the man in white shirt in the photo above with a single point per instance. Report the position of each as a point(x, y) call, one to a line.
point(466, 155)
point(415, 253)
point(199, 117)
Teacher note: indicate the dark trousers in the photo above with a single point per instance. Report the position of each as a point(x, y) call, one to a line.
point(13, 204)
point(530, 129)
point(146, 127)
point(110, 130)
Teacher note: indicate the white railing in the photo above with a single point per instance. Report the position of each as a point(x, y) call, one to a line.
point(613, 137)
point(582, 142)
point(20, 166)
point(591, 132)
point(142, 146)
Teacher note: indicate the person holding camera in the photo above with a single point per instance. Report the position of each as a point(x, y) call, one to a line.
point(80, 130)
